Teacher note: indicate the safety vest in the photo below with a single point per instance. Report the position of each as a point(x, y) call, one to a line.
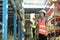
point(42, 26)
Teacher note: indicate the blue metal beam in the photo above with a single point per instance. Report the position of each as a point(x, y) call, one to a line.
point(19, 30)
point(15, 26)
point(5, 20)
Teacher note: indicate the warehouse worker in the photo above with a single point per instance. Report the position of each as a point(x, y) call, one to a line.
point(32, 24)
point(42, 25)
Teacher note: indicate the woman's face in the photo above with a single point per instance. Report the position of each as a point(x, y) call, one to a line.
point(41, 14)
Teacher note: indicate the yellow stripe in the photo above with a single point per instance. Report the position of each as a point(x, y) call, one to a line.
point(42, 30)
point(42, 26)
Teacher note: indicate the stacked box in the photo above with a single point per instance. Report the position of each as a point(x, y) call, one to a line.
point(50, 27)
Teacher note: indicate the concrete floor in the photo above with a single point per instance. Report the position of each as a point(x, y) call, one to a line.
point(10, 37)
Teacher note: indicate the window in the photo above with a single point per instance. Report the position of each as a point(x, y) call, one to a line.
point(39, 2)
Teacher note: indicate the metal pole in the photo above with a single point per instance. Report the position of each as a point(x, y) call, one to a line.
point(54, 21)
point(14, 26)
point(19, 30)
point(5, 20)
